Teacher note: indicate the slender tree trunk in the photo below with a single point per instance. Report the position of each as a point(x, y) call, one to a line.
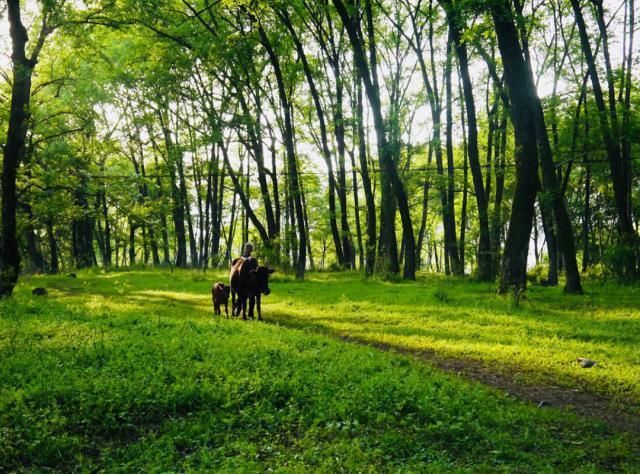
point(209, 205)
point(370, 243)
point(83, 227)
point(217, 226)
point(107, 228)
point(586, 218)
point(498, 166)
point(484, 248)
point(176, 195)
point(356, 205)
point(626, 120)
point(342, 175)
point(546, 215)
point(54, 263)
point(184, 197)
point(465, 185)
point(388, 166)
point(306, 226)
point(450, 223)
point(291, 156)
point(619, 171)
point(426, 185)
point(326, 154)
point(132, 243)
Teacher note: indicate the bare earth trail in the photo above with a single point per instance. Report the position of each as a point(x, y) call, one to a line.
point(622, 416)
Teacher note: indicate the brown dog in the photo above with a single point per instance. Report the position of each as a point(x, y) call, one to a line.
point(219, 296)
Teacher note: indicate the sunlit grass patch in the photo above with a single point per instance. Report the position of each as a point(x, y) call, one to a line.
point(542, 337)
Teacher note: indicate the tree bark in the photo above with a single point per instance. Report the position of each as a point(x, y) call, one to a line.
point(370, 244)
point(14, 149)
point(292, 165)
point(176, 196)
point(484, 247)
point(620, 172)
point(514, 262)
point(326, 153)
point(449, 216)
point(388, 165)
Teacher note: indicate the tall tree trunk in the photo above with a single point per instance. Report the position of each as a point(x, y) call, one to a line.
point(292, 165)
point(210, 204)
point(388, 166)
point(465, 183)
point(14, 149)
point(626, 120)
point(586, 217)
point(619, 171)
point(184, 197)
point(176, 195)
point(552, 188)
point(426, 185)
point(449, 216)
point(54, 262)
point(498, 166)
point(342, 175)
point(132, 243)
point(370, 244)
point(217, 226)
point(108, 251)
point(514, 261)
point(326, 154)
point(546, 215)
point(356, 205)
point(83, 228)
point(484, 247)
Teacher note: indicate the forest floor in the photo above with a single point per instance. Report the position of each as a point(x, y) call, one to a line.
point(130, 371)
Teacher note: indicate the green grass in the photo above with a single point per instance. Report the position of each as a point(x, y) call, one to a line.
point(540, 338)
point(130, 371)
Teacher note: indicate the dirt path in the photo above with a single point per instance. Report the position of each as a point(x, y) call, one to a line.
point(624, 417)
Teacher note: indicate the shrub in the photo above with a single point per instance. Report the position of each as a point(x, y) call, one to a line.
point(441, 295)
point(620, 261)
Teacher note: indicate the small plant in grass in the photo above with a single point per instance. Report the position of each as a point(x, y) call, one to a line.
point(442, 295)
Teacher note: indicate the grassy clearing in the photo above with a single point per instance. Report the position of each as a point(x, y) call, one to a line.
point(129, 371)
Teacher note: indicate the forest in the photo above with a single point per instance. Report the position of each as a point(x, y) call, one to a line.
point(448, 192)
point(389, 137)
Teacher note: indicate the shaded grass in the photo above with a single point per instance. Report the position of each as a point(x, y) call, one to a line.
point(130, 371)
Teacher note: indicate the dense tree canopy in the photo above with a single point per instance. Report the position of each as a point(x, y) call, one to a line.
point(390, 136)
